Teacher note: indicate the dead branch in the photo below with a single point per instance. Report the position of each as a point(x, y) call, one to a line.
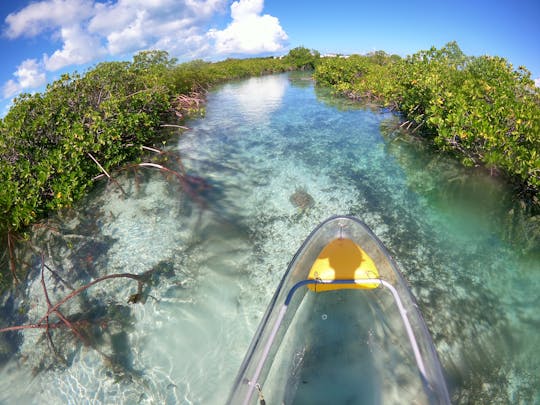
point(404, 123)
point(11, 251)
point(152, 149)
point(417, 127)
point(173, 126)
point(99, 176)
point(168, 154)
point(99, 165)
point(106, 173)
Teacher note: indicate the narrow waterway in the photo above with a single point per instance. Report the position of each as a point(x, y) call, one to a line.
point(278, 156)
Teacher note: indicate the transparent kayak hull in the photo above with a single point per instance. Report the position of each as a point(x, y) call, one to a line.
point(342, 327)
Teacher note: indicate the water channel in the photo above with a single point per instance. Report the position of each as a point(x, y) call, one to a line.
point(277, 157)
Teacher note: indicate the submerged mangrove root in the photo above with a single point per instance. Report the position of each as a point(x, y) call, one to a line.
point(192, 185)
point(78, 326)
point(43, 322)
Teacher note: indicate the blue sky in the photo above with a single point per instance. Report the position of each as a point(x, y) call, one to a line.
point(40, 40)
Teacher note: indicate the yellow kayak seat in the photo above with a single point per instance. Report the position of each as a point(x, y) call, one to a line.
point(342, 259)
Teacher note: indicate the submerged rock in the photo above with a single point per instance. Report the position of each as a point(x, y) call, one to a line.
point(301, 199)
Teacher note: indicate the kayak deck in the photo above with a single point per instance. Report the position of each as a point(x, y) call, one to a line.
point(346, 349)
point(354, 335)
point(340, 260)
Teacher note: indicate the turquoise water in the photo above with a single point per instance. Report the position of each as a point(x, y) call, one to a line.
point(218, 259)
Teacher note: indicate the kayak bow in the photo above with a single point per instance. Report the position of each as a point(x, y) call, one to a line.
point(355, 334)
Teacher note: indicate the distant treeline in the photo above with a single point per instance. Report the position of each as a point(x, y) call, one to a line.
point(479, 108)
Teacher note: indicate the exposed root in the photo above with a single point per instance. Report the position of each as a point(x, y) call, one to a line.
point(107, 174)
point(11, 239)
point(185, 104)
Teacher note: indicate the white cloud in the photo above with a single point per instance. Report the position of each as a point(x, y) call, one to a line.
point(11, 87)
point(537, 82)
point(49, 14)
point(78, 48)
point(90, 30)
point(131, 25)
point(244, 8)
point(29, 75)
point(130, 37)
point(109, 17)
point(249, 32)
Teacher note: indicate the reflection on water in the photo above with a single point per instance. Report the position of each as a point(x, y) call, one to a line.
point(255, 98)
point(214, 269)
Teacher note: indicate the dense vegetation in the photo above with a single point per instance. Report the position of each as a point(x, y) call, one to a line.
point(53, 144)
point(479, 108)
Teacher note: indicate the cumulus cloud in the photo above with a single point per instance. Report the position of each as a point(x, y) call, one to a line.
point(537, 82)
point(245, 8)
point(249, 32)
point(29, 75)
point(90, 30)
point(45, 15)
point(78, 48)
point(172, 25)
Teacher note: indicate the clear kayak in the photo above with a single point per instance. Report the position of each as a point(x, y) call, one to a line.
point(342, 328)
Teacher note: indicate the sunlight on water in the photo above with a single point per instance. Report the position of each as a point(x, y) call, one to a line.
point(256, 99)
point(280, 158)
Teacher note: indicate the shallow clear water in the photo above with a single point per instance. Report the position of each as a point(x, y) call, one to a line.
point(264, 145)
